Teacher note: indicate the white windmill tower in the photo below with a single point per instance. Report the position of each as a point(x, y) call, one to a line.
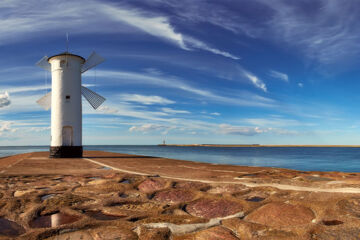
point(65, 101)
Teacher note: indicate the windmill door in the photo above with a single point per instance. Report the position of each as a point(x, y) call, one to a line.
point(67, 135)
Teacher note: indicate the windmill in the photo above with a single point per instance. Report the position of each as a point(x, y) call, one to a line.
point(65, 100)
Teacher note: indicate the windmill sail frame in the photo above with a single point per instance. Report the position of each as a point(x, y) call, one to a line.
point(45, 101)
point(92, 97)
point(93, 60)
point(44, 64)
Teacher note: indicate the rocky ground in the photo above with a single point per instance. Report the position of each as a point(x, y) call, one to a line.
point(118, 196)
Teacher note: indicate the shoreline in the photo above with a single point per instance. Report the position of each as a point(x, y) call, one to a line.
point(257, 145)
point(107, 195)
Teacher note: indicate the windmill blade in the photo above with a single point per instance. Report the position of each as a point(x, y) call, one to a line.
point(43, 63)
point(93, 98)
point(91, 62)
point(45, 101)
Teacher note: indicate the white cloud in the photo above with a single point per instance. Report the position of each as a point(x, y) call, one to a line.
point(165, 81)
point(201, 45)
point(24, 103)
point(301, 85)
point(33, 88)
point(147, 100)
point(107, 110)
point(251, 131)
point(239, 130)
point(328, 36)
point(21, 20)
point(274, 122)
point(127, 110)
point(214, 12)
point(4, 100)
point(173, 111)
point(6, 127)
point(255, 80)
point(157, 25)
point(323, 30)
point(145, 128)
point(39, 129)
point(279, 75)
point(17, 89)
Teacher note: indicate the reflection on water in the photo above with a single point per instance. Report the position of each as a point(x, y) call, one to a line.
point(125, 181)
point(53, 220)
point(47, 196)
point(300, 158)
point(101, 216)
point(10, 228)
point(106, 168)
point(255, 199)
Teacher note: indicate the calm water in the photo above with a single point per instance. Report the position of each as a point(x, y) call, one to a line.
point(322, 159)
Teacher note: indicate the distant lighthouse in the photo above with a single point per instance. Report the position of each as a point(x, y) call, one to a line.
point(65, 101)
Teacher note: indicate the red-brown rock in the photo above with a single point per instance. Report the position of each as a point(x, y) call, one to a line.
point(174, 196)
point(193, 185)
point(248, 230)
point(278, 214)
point(97, 234)
point(227, 188)
point(214, 233)
point(152, 185)
point(212, 208)
point(154, 234)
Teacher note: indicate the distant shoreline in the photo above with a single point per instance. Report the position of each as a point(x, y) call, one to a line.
point(252, 145)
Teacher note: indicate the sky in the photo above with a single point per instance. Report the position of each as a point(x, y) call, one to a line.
point(191, 72)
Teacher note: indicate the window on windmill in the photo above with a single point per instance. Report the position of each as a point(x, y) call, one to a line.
point(62, 63)
point(67, 97)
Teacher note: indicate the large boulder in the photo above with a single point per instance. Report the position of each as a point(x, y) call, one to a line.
point(278, 214)
point(174, 196)
point(151, 185)
point(213, 208)
point(214, 233)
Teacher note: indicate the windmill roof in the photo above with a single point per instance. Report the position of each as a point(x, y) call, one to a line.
point(66, 54)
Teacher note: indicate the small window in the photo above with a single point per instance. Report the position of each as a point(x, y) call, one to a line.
point(62, 63)
point(67, 97)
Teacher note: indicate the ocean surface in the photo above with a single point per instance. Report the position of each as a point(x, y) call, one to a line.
point(300, 158)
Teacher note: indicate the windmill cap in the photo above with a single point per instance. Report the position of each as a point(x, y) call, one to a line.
point(66, 54)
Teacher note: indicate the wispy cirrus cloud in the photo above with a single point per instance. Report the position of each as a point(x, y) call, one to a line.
point(197, 44)
point(217, 13)
point(274, 122)
point(256, 81)
point(147, 100)
point(128, 110)
point(240, 130)
point(279, 75)
point(159, 26)
point(174, 111)
point(252, 131)
point(322, 30)
point(166, 81)
point(20, 20)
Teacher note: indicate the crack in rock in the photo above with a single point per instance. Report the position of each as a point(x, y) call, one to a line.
point(189, 228)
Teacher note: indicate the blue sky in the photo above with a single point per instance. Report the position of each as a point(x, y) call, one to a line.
point(230, 72)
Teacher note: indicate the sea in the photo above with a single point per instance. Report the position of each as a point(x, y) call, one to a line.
point(343, 159)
